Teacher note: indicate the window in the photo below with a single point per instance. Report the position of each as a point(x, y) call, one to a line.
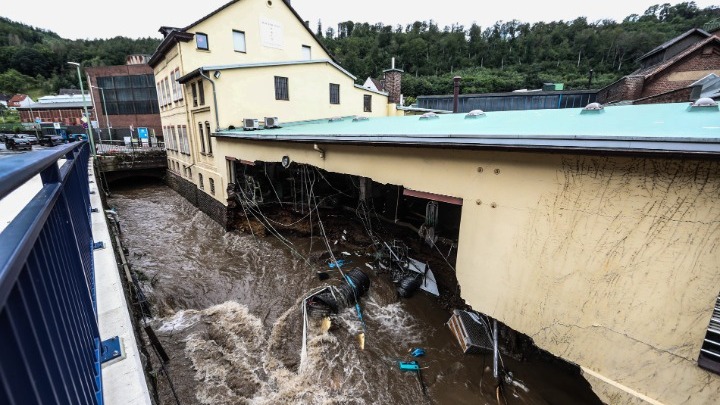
point(183, 143)
point(239, 41)
point(212, 186)
point(201, 40)
point(174, 85)
point(306, 53)
point(202, 137)
point(200, 181)
point(168, 100)
point(334, 93)
point(201, 92)
point(367, 103)
point(207, 131)
point(194, 95)
point(281, 88)
point(179, 86)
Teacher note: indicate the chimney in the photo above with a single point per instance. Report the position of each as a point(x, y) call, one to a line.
point(456, 93)
point(392, 83)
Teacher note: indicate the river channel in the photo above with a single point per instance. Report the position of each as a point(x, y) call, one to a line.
point(226, 307)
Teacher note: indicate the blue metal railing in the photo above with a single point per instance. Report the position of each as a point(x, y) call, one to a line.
point(49, 338)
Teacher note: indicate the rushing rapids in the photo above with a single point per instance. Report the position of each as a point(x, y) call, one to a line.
point(227, 308)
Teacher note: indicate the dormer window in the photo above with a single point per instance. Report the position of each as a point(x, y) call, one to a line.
point(201, 40)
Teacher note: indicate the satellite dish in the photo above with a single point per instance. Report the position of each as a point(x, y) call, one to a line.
point(285, 161)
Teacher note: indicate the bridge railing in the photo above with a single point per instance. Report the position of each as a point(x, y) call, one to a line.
point(117, 147)
point(49, 338)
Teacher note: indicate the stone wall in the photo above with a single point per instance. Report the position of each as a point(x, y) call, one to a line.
point(206, 203)
point(674, 96)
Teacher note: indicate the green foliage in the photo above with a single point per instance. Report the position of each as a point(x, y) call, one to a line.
point(40, 57)
point(510, 55)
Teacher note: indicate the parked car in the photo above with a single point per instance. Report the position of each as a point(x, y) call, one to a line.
point(16, 142)
point(52, 140)
point(31, 138)
point(77, 137)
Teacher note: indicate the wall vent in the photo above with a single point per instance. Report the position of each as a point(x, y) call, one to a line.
point(250, 124)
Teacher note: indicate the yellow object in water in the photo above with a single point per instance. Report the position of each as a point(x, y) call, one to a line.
point(361, 340)
point(325, 325)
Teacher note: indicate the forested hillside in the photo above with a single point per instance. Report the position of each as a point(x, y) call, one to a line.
point(510, 55)
point(34, 60)
point(506, 56)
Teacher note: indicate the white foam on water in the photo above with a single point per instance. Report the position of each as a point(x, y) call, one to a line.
point(178, 322)
point(234, 361)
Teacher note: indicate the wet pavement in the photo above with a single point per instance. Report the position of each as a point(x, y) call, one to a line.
point(227, 309)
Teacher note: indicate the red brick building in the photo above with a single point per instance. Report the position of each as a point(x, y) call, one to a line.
point(125, 96)
point(67, 110)
point(668, 72)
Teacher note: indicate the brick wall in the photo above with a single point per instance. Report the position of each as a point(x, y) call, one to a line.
point(707, 58)
point(673, 96)
point(627, 88)
point(206, 203)
point(393, 85)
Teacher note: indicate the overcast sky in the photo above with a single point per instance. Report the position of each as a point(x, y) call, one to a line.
point(76, 19)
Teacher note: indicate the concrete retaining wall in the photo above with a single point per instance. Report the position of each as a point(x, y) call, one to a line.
point(205, 202)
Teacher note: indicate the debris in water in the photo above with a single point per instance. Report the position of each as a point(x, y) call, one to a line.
point(417, 352)
point(332, 299)
point(370, 266)
point(345, 253)
point(471, 332)
point(339, 263)
point(361, 340)
point(409, 365)
point(322, 275)
point(325, 324)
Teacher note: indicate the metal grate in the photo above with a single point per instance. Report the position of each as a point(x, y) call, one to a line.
point(471, 331)
point(710, 351)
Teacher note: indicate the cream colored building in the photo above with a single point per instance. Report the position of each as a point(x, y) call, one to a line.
point(249, 59)
point(594, 234)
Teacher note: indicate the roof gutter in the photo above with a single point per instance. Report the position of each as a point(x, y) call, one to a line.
point(217, 119)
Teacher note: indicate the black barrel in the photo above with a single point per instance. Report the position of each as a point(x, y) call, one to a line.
point(409, 284)
point(342, 296)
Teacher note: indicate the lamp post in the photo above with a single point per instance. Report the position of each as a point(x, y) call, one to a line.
point(87, 116)
point(107, 118)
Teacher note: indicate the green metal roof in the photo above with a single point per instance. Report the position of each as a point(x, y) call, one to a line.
point(653, 127)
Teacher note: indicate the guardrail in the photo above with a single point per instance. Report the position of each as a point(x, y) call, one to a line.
point(49, 340)
point(114, 147)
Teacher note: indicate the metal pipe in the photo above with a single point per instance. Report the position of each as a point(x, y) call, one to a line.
point(495, 349)
point(456, 92)
point(217, 120)
point(87, 115)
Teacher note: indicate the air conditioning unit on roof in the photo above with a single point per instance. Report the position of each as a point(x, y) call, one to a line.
point(272, 122)
point(250, 124)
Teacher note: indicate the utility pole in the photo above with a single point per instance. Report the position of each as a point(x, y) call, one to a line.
point(87, 116)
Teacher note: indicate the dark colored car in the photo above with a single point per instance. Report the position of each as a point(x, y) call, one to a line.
point(52, 140)
point(77, 137)
point(31, 138)
point(17, 143)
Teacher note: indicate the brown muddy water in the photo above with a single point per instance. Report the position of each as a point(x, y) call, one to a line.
point(226, 307)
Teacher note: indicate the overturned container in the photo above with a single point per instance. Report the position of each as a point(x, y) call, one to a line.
point(333, 299)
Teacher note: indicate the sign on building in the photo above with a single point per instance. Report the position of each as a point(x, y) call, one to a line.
point(271, 34)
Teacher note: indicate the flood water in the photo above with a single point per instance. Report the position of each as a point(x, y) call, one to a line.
point(226, 307)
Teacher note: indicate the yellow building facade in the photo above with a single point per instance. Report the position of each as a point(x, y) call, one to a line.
point(249, 59)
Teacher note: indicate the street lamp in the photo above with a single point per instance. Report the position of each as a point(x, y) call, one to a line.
point(87, 116)
point(107, 118)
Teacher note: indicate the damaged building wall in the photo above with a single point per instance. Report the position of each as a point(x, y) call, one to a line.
point(608, 262)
